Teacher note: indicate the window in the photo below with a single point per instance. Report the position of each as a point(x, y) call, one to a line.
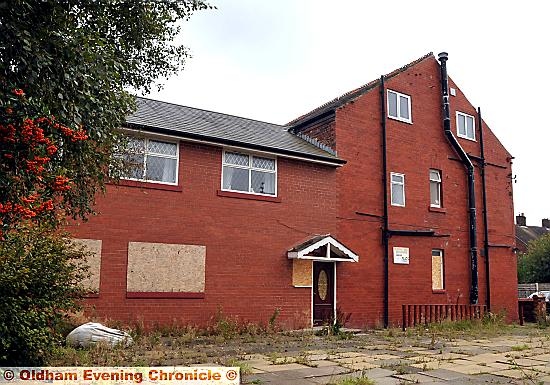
point(435, 188)
point(465, 126)
point(151, 160)
point(438, 282)
point(249, 173)
point(399, 106)
point(397, 189)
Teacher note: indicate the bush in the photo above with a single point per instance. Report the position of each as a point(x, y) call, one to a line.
point(39, 283)
point(534, 266)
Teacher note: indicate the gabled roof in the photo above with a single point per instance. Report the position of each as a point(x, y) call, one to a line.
point(194, 123)
point(351, 95)
point(526, 234)
point(333, 250)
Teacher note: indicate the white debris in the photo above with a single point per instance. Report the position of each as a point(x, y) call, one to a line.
point(91, 333)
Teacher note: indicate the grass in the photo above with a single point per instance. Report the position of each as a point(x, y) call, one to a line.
point(363, 380)
point(243, 366)
point(520, 348)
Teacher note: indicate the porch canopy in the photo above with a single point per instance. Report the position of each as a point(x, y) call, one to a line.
point(323, 248)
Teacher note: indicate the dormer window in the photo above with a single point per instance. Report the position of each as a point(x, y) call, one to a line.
point(399, 106)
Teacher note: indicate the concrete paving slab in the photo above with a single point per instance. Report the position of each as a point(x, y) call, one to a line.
point(279, 368)
point(542, 369)
point(378, 357)
point(360, 366)
point(516, 373)
point(499, 366)
point(378, 373)
point(416, 378)
point(443, 374)
point(351, 360)
point(322, 363)
point(450, 356)
point(473, 369)
point(521, 362)
point(389, 381)
point(432, 365)
point(486, 358)
point(314, 372)
point(350, 354)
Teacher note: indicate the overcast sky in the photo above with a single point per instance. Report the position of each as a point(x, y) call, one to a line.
point(274, 60)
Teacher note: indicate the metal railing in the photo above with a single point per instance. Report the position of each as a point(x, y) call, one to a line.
point(429, 313)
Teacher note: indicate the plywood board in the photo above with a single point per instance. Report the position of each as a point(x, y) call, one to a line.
point(93, 261)
point(302, 272)
point(162, 267)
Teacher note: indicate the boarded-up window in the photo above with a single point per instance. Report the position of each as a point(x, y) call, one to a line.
point(437, 270)
point(93, 262)
point(162, 267)
point(301, 272)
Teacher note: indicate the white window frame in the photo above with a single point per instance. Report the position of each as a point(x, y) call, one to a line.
point(465, 136)
point(398, 107)
point(177, 158)
point(392, 183)
point(250, 169)
point(438, 182)
point(442, 272)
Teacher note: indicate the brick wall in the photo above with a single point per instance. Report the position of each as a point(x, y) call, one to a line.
point(247, 270)
point(413, 149)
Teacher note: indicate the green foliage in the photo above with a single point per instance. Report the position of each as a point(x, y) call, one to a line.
point(39, 276)
point(76, 59)
point(65, 70)
point(534, 266)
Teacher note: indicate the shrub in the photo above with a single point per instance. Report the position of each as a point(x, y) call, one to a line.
point(39, 283)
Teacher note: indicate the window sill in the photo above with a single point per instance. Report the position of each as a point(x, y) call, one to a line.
point(91, 295)
point(166, 295)
point(466, 137)
point(231, 194)
point(400, 119)
point(437, 210)
point(147, 185)
point(437, 291)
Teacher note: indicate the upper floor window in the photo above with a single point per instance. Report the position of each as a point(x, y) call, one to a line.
point(151, 160)
point(397, 189)
point(399, 106)
point(249, 173)
point(465, 126)
point(435, 188)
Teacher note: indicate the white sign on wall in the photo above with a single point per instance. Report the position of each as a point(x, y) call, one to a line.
point(401, 255)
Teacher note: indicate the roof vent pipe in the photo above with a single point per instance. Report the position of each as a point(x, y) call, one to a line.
point(443, 57)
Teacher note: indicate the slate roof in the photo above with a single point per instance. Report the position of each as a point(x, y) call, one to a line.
point(194, 123)
point(526, 234)
point(351, 95)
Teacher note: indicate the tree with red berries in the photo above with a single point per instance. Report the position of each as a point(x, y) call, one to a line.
point(65, 70)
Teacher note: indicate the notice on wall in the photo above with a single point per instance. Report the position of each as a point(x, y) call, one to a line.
point(401, 255)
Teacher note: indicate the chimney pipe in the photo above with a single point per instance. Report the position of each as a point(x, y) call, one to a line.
point(521, 220)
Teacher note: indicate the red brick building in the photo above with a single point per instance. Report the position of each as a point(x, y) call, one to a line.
point(364, 204)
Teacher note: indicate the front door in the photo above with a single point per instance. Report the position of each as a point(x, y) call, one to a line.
point(323, 292)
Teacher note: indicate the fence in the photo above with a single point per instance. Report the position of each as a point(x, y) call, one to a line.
point(524, 289)
point(424, 314)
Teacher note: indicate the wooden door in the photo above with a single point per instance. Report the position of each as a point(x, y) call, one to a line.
point(323, 292)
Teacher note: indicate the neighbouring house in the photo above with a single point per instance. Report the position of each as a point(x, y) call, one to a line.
point(394, 193)
point(526, 234)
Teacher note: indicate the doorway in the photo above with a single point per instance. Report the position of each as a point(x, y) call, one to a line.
point(323, 293)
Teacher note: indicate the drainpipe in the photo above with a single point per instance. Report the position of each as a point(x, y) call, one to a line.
point(385, 233)
point(443, 56)
point(485, 226)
